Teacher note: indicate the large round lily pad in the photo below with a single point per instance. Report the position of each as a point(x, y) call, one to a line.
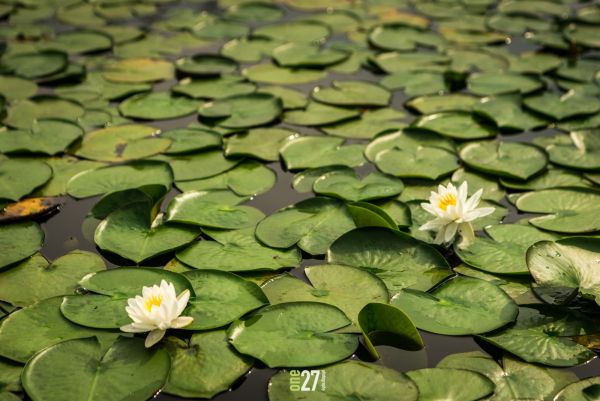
point(458, 307)
point(422, 162)
point(318, 151)
point(138, 70)
point(451, 384)
point(20, 177)
point(19, 241)
point(243, 111)
point(396, 258)
point(456, 125)
point(349, 187)
point(352, 93)
point(157, 106)
point(297, 334)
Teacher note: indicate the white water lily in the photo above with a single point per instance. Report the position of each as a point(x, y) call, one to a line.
point(156, 310)
point(454, 213)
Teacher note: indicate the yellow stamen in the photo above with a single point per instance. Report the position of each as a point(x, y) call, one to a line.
point(448, 199)
point(154, 300)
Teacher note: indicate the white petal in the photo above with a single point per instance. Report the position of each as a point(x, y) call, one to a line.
point(439, 238)
point(182, 301)
point(474, 200)
point(477, 213)
point(153, 337)
point(432, 225)
point(135, 328)
point(450, 232)
point(467, 235)
point(181, 321)
point(463, 191)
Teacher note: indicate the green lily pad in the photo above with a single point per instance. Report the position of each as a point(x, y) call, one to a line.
point(138, 70)
point(492, 84)
point(313, 224)
point(318, 151)
point(491, 189)
point(568, 263)
point(214, 88)
point(295, 31)
point(362, 380)
point(352, 93)
point(258, 11)
point(408, 140)
point(45, 136)
point(304, 180)
point(200, 209)
point(351, 187)
point(15, 88)
point(271, 74)
point(415, 83)
point(580, 150)
point(583, 35)
point(394, 62)
point(251, 49)
point(403, 38)
point(298, 334)
point(451, 384)
point(514, 380)
point(157, 106)
point(316, 114)
point(36, 65)
point(35, 279)
point(438, 103)
point(79, 42)
point(243, 111)
point(122, 143)
point(19, 241)
point(422, 162)
point(21, 177)
point(559, 108)
point(83, 369)
point(24, 114)
point(107, 179)
point(505, 252)
point(291, 98)
point(21, 337)
point(186, 140)
point(237, 251)
point(541, 335)
point(384, 324)
point(370, 124)
point(304, 55)
point(205, 65)
point(456, 125)
point(396, 258)
point(552, 178)
point(569, 210)
point(260, 143)
point(507, 113)
point(505, 159)
point(459, 306)
point(347, 288)
point(247, 178)
point(63, 169)
point(137, 234)
point(583, 390)
point(204, 365)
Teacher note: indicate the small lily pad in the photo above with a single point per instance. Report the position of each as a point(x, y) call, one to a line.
point(423, 162)
point(46, 136)
point(456, 125)
point(350, 187)
point(451, 384)
point(19, 241)
point(492, 84)
point(214, 88)
point(559, 108)
point(318, 151)
point(37, 65)
point(157, 106)
point(205, 65)
point(271, 74)
point(303, 55)
point(138, 70)
point(261, 143)
point(21, 177)
point(352, 93)
point(316, 114)
point(243, 111)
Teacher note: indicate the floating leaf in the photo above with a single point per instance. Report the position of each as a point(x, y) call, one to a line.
point(36, 65)
point(312, 224)
point(29, 208)
point(459, 306)
point(317, 151)
point(19, 241)
point(205, 65)
point(319, 114)
point(451, 384)
point(352, 93)
point(24, 114)
point(438, 103)
point(507, 113)
point(138, 70)
point(415, 83)
point(261, 143)
point(456, 125)
point(298, 334)
point(363, 380)
point(295, 31)
point(423, 162)
point(491, 84)
point(505, 252)
point(214, 88)
point(506, 159)
point(302, 55)
point(580, 150)
point(195, 166)
point(347, 288)
point(568, 105)
point(185, 140)
point(15, 88)
point(126, 370)
point(396, 258)
point(370, 124)
point(349, 187)
point(583, 390)
point(21, 177)
point(236, 251)
point(45, 136)
point(243, 111)
point(552, 178)
point(157, 106)
point(204, 365)
point(271, 74)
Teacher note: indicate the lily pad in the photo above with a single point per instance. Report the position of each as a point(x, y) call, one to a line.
point(15, 88)
point(271, 74)
point(138, 70)
point(237, 251)
point(204, 365)
point(316, 114)
point(137, 233)
point(580, 391)
point(20, 337)
point(205, 65)
point(569, 210)
point(260, 143)
point(295, 31)
point(46, 136)
point(415, 83)
point(370, 124)
point(347, 288)
point(186, 140)
point(291, 98)
point(507, 113)
point(352, 93)
point(506, 159)
point(580, 150)
point(318, 151)
point(116, 178)
point(157, 106)
point(422, 162)
point(363, 380)
point(505, 252)
point(459, 306)
point(451, 384)
point(82, 368)
point(456, 125)
point(559, 108)
point(541, 335)
point(35, 279)
point(298, 334)
point(303, 55)
point(568, 263)
point(408, 140)
point(350, 187)
point(36, 65)
point(214, 88)
point(243, 111)
point(199, 209)
point(552, 178)
point(312, 224)
point(396, 258)
point(24, 114)
point(491, 84)
point(19, 241)
point(21, 177)
point(438, 103)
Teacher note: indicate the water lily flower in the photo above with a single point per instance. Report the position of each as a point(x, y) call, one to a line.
point(156, 310)
point(454, 213)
